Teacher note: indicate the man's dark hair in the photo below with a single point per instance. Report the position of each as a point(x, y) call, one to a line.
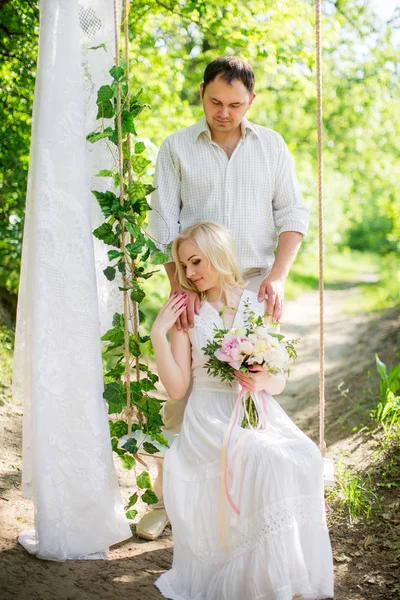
point(230, 68)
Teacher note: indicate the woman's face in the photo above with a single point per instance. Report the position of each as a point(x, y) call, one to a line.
point(197, 266)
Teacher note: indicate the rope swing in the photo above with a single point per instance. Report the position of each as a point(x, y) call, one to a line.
point(318, 53)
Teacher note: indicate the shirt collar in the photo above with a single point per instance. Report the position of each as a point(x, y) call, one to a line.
point(203, 127)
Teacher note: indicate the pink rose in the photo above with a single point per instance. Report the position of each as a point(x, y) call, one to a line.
point(230, 350)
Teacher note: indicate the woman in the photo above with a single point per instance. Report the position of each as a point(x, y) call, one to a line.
point(278, 547)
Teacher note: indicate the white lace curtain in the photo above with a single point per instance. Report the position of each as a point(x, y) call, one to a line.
point(67, 459)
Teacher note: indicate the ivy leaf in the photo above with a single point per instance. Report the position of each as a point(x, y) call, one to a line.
point(135, 105)
point(138, 190)
point(133, 346)
point(154, 422)
point(102, 45)
point(134, 230)
point(149, 497)
point(115, 372)
point(105, 107)
point(113, 254)
point(139, 147)
point(117, 72)
point(105, 232)
point(141, 207)
point(143, 481)
point(132, 501)
point(118, 320)
point(105, 173)
point(134, 248)
point(146, 275)
point(131, 446)
point(131, 514)
point(158, 436)
point(151, 245)
point(106, 110)
point(150, 448)
point(108, 201)
point(114, 335)
point(144, 339)
point(137, 294)
point(147, 385)
point(108, 132)
point(139, 163)
point(149, 406)
point(159, 258)
point(127, 124)
point(145, 256)
point(136, 391)
point(128, 462)
point(114, 446)
point(115, 396)
point(152, 376)
point(109, 272)
point(118, 428)
point(122, 267)
point(142, 317)
point(105, 93)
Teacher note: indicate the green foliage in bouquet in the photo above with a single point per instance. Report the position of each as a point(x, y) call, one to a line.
point(215, 367)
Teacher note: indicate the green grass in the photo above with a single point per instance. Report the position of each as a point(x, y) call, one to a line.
point(340, 268)
point(386, 292)
point(357, 492)
point(376, 278)
point(354, 492)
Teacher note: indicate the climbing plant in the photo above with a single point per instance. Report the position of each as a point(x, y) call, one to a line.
point(129, 383)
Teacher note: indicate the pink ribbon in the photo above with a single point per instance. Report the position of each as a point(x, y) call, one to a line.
point(228, 447)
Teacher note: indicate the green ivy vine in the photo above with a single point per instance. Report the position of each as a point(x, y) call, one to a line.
point(131, 255)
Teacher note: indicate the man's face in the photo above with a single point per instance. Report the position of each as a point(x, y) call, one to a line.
point(225, 104)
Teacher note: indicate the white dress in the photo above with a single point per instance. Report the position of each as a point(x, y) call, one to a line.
point(279, 543)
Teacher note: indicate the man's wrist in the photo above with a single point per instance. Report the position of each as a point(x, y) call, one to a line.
point(277, 274)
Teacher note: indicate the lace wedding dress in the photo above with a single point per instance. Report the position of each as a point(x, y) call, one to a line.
point(58, 376)
point(279, 543)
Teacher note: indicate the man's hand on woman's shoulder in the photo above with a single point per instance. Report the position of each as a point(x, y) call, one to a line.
point(273, 288)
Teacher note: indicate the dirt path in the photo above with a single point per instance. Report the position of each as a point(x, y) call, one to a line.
point(134, 565)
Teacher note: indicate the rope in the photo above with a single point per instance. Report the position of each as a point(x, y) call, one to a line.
point(117, 13)
point(318, 52)
point(130, 181)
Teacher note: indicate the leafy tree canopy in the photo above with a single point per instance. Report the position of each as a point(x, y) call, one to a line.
point(173, 40)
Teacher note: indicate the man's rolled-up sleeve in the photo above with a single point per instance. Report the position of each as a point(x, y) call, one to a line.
point(290, 212)
point(165, 202)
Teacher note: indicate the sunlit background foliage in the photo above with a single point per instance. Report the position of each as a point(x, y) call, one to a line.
point(172, 41)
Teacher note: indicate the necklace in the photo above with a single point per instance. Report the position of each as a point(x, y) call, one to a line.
point(225, 307)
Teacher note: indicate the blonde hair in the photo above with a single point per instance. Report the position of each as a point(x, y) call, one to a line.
point(216, 243)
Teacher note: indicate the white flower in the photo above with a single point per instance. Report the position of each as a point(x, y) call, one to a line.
point(281, 358)
point(261, 331)
point(241, 331)
point(273, 341)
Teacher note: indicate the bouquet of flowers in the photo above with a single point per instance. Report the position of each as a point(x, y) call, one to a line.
point(242, 348)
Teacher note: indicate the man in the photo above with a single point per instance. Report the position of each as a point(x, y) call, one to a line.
point(227, 170)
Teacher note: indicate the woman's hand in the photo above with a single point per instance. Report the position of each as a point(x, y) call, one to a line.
point(260, 380)
point(169, 313)
point(186, 318)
